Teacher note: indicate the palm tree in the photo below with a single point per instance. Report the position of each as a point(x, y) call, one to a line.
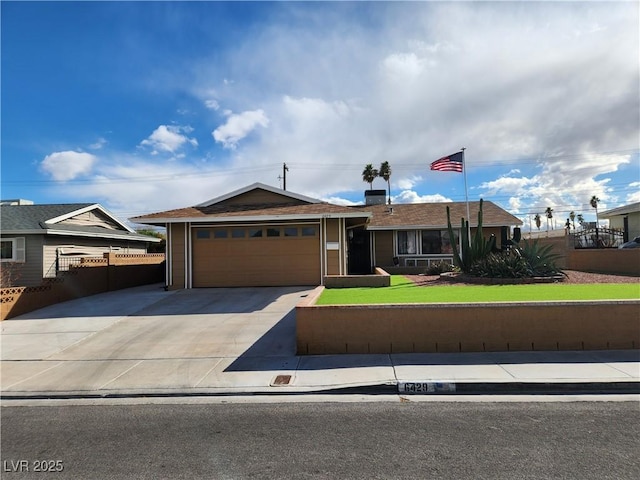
point(537, 220)
point(594, 203)
point(572, 217)
point(549, 212)
point(385, 172)
point(369, 174)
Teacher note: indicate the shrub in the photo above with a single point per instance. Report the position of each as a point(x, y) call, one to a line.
point(501, 265)
point(437, 268)
point(528, 260)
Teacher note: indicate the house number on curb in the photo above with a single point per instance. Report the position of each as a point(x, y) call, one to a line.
point(422, 388)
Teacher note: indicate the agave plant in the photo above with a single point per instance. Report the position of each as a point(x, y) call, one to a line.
point(540, 258)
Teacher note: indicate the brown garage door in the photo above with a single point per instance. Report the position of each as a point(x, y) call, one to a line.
point(256, 256)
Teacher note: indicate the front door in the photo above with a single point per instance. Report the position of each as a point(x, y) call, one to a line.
point(359, 254)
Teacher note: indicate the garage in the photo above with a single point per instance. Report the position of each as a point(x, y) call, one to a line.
point(256, 255)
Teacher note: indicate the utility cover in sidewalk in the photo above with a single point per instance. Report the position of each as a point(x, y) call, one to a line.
point(281, 380)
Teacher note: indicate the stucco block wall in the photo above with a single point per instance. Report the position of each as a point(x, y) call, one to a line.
point(623, 261)
point(467, 328)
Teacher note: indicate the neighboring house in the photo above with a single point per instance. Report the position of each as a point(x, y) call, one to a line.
point(264, 236)
point(626, 218)
point(38, 240)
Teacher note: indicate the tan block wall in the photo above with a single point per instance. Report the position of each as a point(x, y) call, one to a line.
point(623, 261)
point(379, 279)
point(79, 281)
point(467, 328)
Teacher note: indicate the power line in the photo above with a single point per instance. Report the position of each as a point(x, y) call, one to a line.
point(310, 166)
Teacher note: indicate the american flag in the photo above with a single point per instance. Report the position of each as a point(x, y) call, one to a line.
point(450, 163)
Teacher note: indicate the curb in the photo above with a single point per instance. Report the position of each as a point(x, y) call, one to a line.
point(430, 388)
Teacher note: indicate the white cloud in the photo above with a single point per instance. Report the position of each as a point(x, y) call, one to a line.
point(407, 183)
point(516, 86)
point(409, 196)
point(100, 143)
point(341, 201)
point(509, 185)
point(64, 166)
point(169, 138)
point(212, 104)
point(239, 126)
point(633, 197)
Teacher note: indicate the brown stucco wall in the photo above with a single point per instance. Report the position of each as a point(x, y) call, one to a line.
point(379, 279)
point(466, 328)
point(116, 272)
point(623, 261)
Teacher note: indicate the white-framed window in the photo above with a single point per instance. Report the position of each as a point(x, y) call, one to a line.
point(425, 242)
point(407, 244)
point(12, 249)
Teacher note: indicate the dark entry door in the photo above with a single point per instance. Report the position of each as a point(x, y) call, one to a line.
point(359, 255)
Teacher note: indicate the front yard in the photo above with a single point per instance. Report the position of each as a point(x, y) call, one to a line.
point(403, 291)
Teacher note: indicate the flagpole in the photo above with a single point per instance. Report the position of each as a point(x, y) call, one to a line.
point(466, 196)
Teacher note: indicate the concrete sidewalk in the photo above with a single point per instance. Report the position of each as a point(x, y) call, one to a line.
point(145, 342)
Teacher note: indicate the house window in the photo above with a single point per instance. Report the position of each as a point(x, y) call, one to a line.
point(273, 232)
point(407, 242)
point(202, 234)
point(220, 233)
point(290, 232)
point(237, 233)
point(431, 242)
point(255, 232)
point(308, 231)
point(12, 249)
point(447, 244)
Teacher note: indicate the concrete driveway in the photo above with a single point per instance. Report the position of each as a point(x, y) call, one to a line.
point(146, 338)
point(145, 341)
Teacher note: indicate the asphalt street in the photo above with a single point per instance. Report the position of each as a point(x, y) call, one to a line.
point(323, 440)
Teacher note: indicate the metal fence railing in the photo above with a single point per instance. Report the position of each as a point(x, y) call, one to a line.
point(598, 238)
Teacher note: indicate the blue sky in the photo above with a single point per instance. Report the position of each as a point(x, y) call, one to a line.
point(148, 106)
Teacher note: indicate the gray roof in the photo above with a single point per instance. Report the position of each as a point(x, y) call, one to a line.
point(624, 210)
point(31, 219)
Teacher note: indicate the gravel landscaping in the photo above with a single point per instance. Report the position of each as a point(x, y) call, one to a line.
point(572, 277)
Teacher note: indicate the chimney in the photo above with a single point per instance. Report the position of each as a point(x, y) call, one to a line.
point(375, 197)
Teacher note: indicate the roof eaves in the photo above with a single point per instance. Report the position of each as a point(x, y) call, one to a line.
point(428, 227)
point(623, 210)
point(253, 218)
point(122, 236)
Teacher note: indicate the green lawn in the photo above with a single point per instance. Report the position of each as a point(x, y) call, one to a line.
point(403, 290)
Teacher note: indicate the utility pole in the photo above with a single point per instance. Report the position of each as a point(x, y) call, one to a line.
point(285, 169)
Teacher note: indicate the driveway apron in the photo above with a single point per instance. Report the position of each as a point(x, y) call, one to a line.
point(165, 341)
